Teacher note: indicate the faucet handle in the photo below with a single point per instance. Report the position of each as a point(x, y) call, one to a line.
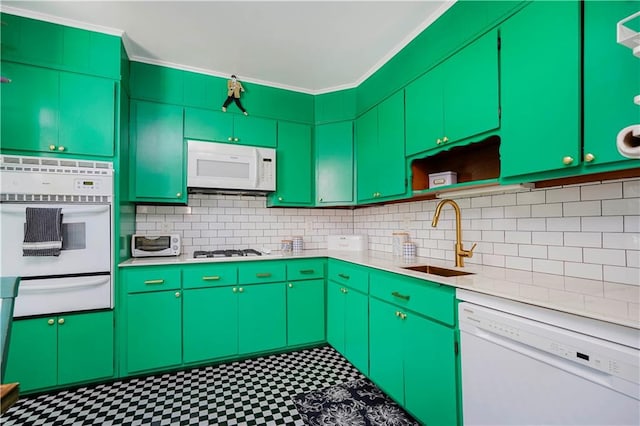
point(469, 253)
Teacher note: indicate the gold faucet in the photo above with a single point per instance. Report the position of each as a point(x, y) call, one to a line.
point(461, 253)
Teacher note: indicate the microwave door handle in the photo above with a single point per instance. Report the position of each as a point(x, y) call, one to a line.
point(256, 168)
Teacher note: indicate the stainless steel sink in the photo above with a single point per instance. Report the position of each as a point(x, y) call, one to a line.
point(436, 270)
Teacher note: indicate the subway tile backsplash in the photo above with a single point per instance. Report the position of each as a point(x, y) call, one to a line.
point(587, 231)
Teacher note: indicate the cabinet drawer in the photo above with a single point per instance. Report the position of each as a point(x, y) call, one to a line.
point(305, 269)
point(348, 274)
point(151, 279)
point(431, 300)
point(261, 272)
point(210, 275)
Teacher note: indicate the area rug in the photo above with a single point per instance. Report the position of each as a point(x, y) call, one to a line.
point(356, 403)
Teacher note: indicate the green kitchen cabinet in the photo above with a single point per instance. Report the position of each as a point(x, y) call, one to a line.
point(153, 330)
point(412, 346)
point(156, 83)
point(305, 301)
point(51, 111)
point(348, 312)
point(540, 85)
point(210, 323)
point(608, 91)
point(158, 166)
point(226, 127)
point(334, 164)
point(294, 158)
point(380, 170)
point(456, 100)
point(60, 350)
point(262, 317)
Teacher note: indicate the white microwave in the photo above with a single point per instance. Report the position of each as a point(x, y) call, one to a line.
point(221, 166)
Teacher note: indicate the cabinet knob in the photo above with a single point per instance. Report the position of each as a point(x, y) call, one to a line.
point(235, 290)
point(567, 160)
point(177, 294)
point(445, 139)
point(236, 139)
point(61, 148)
point(280, 198)
point(241, 290)
point(51, 322)
point(589, 157)
point(438, 141)
point(290, 285)
point(61, 321)
point(230, 139)
point(320, 199)
point(52, 147)
point(178, 194)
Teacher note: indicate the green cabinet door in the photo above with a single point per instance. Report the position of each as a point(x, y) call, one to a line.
point(158, 166)
point(425, 112)
point(336, 306)
point(391, 165)
point(305, 312)
point(154, 330)
point(367, 155)
point(262, 317)
point(430, 378)
point(386, 353)
point(157, 83)
point(254, 131)
point(540, 87)
point(209, 323)
point(608, 95)
point(85, 347)
point(208, 125)
point(334, 164)
point(87, 115)
point(294, 157)
point(356, 325)
point(29, 107)
point(33, 355)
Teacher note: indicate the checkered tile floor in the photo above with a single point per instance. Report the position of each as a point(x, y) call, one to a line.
point(250, 392)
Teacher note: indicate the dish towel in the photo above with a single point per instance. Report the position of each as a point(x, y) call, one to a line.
point(43, 234)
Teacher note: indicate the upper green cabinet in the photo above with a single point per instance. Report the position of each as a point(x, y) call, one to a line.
point(540, 84)
point(52, 111)
point(158, 171)
point(334, 164)
point(156, 83)
point(611, 80)
point(294, 179)
point(380, 151)
point(219, 126)
point(456, 100)
point(35, 42)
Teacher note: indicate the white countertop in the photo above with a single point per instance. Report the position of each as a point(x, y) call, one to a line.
point(600, 300)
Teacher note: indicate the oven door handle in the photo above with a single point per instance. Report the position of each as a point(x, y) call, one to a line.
point(26, 288)
point(93, 209)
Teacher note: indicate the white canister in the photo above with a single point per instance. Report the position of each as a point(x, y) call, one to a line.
point(298, 244)
point(399, 238)
point(286, 246)
point(409, 250)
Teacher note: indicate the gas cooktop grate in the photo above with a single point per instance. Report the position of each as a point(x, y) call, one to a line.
point(225, 253)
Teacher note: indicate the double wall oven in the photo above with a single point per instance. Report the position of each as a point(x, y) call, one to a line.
point(80, 277)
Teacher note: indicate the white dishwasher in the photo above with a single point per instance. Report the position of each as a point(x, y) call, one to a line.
point(523, 365)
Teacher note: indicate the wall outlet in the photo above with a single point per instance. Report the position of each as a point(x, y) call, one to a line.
point(166, 226)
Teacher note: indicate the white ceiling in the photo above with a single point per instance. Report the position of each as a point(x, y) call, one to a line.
point(308, 46)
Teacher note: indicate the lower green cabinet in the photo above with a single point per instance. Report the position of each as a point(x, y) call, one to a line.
point(262, 318)
point(348, 324)
point(154, 330)
point(60, 350)
point(412, 359)
point(305, 312)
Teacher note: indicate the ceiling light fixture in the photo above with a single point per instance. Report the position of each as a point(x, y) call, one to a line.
point(485, 190)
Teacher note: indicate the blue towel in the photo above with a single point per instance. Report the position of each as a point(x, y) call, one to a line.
point(43, 234)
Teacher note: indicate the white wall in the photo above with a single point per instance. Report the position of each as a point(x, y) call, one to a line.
point(589, 230)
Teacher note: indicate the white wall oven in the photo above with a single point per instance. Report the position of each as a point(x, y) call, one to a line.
point(71, 200)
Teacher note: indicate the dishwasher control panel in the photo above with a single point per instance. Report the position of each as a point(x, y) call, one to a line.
point(582, 350)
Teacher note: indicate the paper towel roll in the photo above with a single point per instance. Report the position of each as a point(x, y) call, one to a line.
point(628, 141)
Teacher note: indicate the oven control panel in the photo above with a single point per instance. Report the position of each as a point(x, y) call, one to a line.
point(88, 185)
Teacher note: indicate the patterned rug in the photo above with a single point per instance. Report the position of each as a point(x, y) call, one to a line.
point(356, 403)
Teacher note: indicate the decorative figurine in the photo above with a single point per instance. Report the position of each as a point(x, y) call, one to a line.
point(234, 87)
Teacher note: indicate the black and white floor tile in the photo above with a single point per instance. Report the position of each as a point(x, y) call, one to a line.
point(257, 391)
